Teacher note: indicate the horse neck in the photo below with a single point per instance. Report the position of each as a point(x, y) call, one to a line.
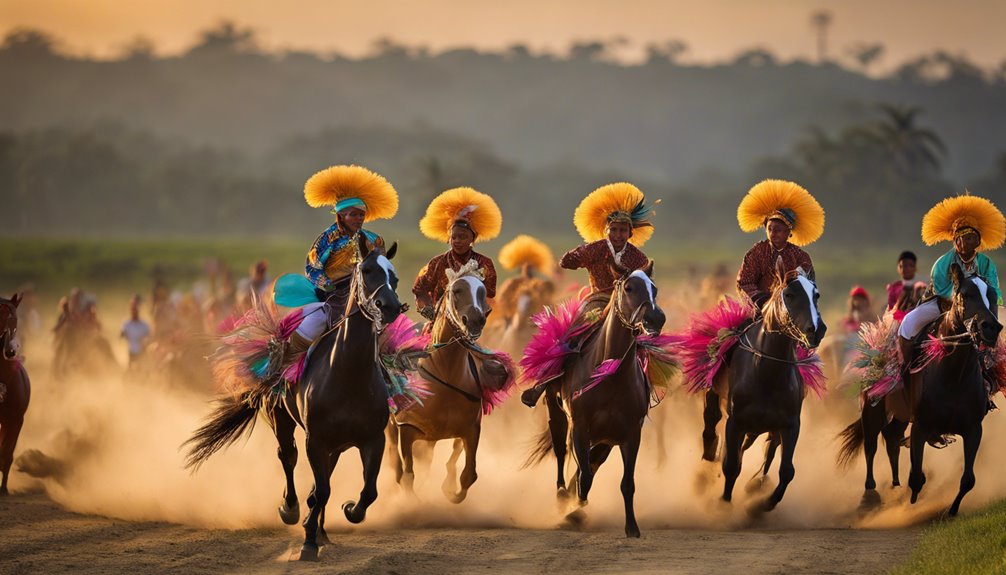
point(952, 324)
point(773, 343)
point(615, 339)
point(448, 358)
point(356, 336)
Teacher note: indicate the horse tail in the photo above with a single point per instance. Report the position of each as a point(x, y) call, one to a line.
point(233, 417)
point(540, 448)
point(852, 443)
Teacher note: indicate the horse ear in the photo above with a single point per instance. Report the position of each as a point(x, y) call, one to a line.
point(957, 276)
point(392, 251)
point(16, 299)
point(648, 269)
point(361, 243)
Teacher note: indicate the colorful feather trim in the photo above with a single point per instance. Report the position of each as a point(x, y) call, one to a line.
point(703, 346)
point(876, 361)
point(402, 346)
point(494, 396)
point(546, 353)
point(657, 357)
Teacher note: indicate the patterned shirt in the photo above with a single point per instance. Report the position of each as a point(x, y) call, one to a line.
point(333, 257)
point(758, 270)
point(432, 279)
point(598, 260)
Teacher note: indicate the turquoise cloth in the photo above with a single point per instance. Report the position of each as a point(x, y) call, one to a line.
point(294, 290)
point(943, 284)
point(349, 203)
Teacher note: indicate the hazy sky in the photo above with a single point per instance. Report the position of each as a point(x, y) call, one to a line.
point(713, 29)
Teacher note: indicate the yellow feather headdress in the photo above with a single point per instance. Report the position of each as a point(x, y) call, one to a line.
point(478, 209)
point(346, 186)
point(525, 249)
point(620, 201)
point(967, 211)
point(787, 201)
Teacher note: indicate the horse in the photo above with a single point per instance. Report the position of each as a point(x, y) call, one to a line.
point(603, 397)
point(15, 388)
point(532, 296)
point(761, 391)
point(341, 401)
point(948, 394)
point(463, 392)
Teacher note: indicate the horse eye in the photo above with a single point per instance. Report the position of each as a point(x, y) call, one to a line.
point(628, 289)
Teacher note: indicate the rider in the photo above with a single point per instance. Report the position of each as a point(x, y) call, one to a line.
point(459, 217)
point(974, 225)
point(357, 195)
point(536, 263)
point(613, 221)
point(791, 217)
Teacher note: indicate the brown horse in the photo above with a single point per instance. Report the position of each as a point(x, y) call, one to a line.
point(601, 413)
point(531, 296)
point(15, 389)
point(458, 402)
point(341, 402)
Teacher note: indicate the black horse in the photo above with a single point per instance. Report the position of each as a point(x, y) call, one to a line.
point(15, 389)
point(948, 396)
point(761, 390)
point(341, 402)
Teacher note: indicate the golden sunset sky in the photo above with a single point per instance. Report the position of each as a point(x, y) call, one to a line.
point(713, 29)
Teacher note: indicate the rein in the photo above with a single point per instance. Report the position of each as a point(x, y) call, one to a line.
point(633, 323)
point(744, 342)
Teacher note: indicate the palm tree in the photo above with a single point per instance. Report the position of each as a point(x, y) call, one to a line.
point(913, 149)
point(820, 21)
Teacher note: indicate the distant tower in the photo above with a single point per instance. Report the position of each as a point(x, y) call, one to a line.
point(821, 20)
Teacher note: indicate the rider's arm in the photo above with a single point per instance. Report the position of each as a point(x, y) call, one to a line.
point(748, 278)
point(573, 259)
point(490, 278)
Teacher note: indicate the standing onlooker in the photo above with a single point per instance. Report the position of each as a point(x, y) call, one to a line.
point(135, 331)
point(907, 263)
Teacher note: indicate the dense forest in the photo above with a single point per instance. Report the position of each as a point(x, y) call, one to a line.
point(219, 140)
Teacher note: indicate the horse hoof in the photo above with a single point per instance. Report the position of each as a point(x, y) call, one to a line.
point(575, 519)
point(632, 532)
point(4, 492)
point(896, 483)
point(456, 498)
point(289, 515)
point(915, 497)
point(562, 494)
point(350, 509)
point(870, 500)
point(323, 538)
point(308, 552)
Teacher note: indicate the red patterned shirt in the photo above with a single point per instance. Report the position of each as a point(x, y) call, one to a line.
point(597, 258)
point(432, 279)
point(758, 270)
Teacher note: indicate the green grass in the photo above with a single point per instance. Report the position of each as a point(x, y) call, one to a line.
point(973, 544)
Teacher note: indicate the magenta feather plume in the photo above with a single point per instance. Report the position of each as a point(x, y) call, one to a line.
point(546, 353)
point(810, 371)
point(493, 397)
point(702, 347)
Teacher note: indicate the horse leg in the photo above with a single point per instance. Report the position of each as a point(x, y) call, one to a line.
point(598, 455)
point(916, 478)
point(771, 446)
point(732, 457)
point(630, 450)
point(894, 433)
point(370, 455)
point(8, 439)
point(786, 468)
point(318, 456)
point(873, 421)
point(585, 476)
point(322, 534)
point(283, 426)
point(391, 453)
point(468, 474)
point(407, 436)
point(451, 481)
point(558, 425)
point(972, 439)
point(711, 415)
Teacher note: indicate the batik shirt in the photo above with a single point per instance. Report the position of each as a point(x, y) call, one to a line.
point(598, 258)
point(758, 270)
point(334, 256)
point(982, 266)
point(432, 279)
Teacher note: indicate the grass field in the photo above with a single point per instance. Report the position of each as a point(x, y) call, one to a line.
point(970, 545)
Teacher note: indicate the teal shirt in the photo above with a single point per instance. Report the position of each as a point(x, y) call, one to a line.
point(943, 284)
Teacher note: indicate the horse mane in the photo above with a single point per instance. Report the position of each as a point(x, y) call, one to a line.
point(774, 311)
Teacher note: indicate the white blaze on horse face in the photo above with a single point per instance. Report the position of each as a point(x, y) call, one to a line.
point(647, 282)
point(474, 284)
point(808, 286)
point(388, 268)
point(983, 288)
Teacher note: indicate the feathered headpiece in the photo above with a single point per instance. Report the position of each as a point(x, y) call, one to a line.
point(525, 249)
point(462, 206)
point(786, 202)
point(619, 202)
point(344, 187)
point(954, 216)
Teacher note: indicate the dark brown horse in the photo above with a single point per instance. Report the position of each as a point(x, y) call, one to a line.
point(599, 414)
point(341, 402)
point(456, 405)
point(15, 389)
point(948, 396)
point(761, 389)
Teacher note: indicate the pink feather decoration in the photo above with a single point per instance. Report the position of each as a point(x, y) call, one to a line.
point(703, 346)
point(810, 371)
point(546, 353)
point(494, 397)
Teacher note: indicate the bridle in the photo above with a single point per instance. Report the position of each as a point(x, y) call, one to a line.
point(367, 303)
point(634, 322)
point(450, 311)
point(786, 325)
point(9, 330)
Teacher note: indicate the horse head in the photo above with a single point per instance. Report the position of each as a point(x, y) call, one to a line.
point(635, 302)
point(8, 326)
point(377, 281)
point(793, 306)
point(972, 303)
point(465, 300)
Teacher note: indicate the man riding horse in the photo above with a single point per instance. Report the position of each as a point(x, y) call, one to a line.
point(974, 225)
point(613, 220)
point(786, 211)
point(459, 217)
point(536, 263)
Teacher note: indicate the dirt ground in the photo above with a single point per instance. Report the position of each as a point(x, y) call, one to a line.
point(39, 536)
